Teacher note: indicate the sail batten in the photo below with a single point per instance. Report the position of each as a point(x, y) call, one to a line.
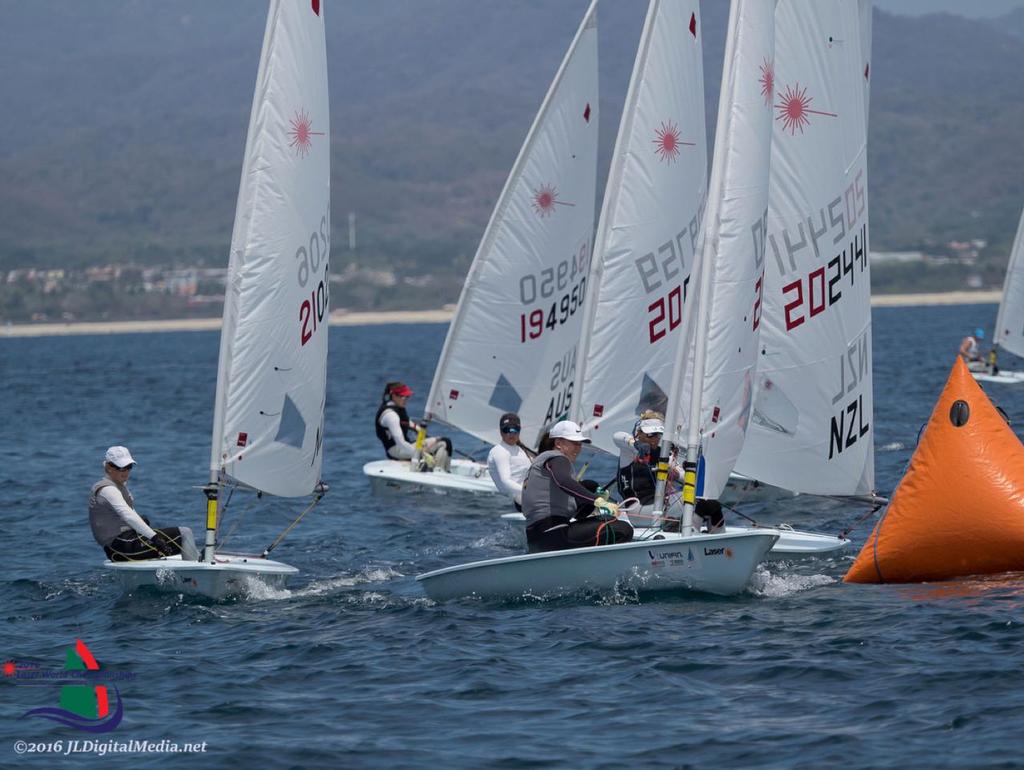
point(271, 381)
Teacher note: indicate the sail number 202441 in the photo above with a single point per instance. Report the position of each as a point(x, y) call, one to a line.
point(311, 259)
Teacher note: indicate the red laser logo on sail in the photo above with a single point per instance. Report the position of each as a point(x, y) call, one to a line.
point(794, 109)
point(545, 198)
point(300, 132)
point(667, 142)
point(767, 81)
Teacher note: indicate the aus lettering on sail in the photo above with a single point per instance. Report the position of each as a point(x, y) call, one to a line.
point(664, 274)
point(312, 261)
point(563, 378)
point(851, 423)
point(564, 286)
point(837, 232)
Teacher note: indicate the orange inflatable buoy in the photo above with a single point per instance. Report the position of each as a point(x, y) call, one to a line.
point(959, 510)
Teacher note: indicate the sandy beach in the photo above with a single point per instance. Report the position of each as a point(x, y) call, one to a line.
point(443, 315)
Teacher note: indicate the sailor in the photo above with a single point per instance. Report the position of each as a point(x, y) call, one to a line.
point(552, 497)
point(119, 529)
point(971, 353)
point(398, 433)
point(638, 458)
point(509, 461)
point(992, 361)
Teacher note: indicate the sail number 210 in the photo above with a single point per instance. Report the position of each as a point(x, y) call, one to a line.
point(310, 260)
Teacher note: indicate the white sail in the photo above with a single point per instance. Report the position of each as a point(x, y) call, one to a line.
point(268, 415)
point(649, 228)
point(1010, 321)
point(511, 346)
point(811, 427)
point(721, 337)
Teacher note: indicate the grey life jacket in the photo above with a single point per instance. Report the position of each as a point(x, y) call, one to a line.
point(105, 523)
point(542, 497)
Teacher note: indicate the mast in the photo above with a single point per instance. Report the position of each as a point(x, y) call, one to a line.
point(717, 352)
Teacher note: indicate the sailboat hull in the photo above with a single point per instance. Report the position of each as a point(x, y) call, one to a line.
point(389, 477)
point(229, 575)
point(1004, 378)
point(792, 543)
point(397, 477)
point(717, 564)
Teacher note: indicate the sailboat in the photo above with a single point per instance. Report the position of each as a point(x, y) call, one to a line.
point(511, 346)
point(669, 57)
point(271, 377)
point(642, 292)
point(1009, 333)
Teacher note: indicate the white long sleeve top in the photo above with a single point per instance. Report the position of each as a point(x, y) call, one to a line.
point(508, 466)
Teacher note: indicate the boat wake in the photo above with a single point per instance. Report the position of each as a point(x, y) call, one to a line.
point(370, 575)
point(775, 586)
point(892, 446)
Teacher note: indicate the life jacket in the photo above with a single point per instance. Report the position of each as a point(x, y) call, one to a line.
point(103, 519)
point(638, 478)
point(541, 496)
point(383, 433)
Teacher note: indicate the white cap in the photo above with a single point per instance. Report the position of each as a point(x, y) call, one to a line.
point(651, 426)
point(568, 430)
point(119, 457)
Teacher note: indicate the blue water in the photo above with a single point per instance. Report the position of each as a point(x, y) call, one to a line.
point(352, 667)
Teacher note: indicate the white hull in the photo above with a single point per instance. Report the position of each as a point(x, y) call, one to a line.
point(229, 575)
point(1004, 377)
point(718, 564)
point(792, 543)
point(468, 477)
point(398, 477)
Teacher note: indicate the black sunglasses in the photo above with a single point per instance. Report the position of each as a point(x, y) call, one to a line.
point(510, 429)
point(128, 467)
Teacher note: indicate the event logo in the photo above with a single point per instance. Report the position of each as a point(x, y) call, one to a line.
point(83, 704)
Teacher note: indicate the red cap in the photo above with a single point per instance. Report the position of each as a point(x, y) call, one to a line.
point(401, 390)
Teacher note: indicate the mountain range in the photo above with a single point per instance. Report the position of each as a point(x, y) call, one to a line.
point(124, 124)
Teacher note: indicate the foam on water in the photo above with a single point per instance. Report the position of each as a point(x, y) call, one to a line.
point(892, 446)
point(774, 586)
point(257, 589)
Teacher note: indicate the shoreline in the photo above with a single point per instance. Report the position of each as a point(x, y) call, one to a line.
point(443, 315)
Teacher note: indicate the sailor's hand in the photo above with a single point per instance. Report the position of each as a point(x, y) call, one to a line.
point(161, 543)
point(606, 506)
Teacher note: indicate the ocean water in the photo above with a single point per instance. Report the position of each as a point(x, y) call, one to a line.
point(352, 667)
